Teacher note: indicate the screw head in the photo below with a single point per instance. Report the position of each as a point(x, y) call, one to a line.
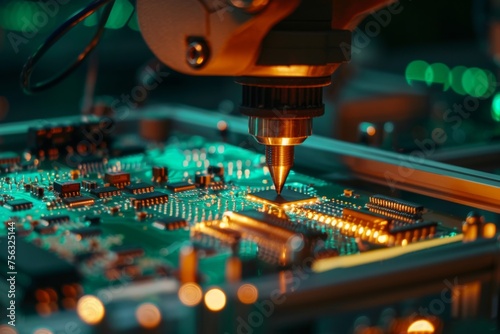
point(197, 54)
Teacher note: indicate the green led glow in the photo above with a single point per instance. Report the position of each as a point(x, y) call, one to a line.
point(475, 82)
point(134, 23)
point(18, 15)
point(419, 70)
point(495, 108)
point(441, 75)
point(456, 75)
point(120, 14)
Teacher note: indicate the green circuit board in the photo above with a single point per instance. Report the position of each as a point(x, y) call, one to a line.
point(126, 219)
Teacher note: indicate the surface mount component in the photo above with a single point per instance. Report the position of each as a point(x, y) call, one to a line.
point(18, 205)
point(117, 179)
point(67, 189)
point(106, 192)
point(139, 188)
point(170, 223)
point(74, 202)
point(148, 199)
point(280, 240)
point(287, 197)
point(180, 186)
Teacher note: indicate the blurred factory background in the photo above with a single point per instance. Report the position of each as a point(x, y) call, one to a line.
point(422, 80)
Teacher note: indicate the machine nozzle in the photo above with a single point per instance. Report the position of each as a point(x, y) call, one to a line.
point(280, 114)
point(279, 160)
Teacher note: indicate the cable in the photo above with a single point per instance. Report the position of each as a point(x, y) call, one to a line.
point(28, 68)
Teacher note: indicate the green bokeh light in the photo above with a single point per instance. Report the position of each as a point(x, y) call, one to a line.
point(476, 82)
point(495, 108)
point(120, 14)
point(419, 70)
point(456, 75)
point(18, 15)
point(134, 22)
point(441, 75)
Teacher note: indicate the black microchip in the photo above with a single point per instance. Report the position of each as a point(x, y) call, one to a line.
point(216, 170)
point(128, 250)
point(139, 188)
point(180, 186)
point(18, 205)
point(37, 268)
point(37, 191)
point(149, 199)
point(46, 230)
point(106, 192)
point(117, 179)
point(93, 220)
point(86, 232)
point(89, 185)
point(78, 201)
point(170, 223)
point(67, 189)
point(56, 219)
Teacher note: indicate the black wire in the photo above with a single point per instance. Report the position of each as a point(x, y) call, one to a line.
point(54, 37)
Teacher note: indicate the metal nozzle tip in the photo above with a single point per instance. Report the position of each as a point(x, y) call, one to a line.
point(279, 160)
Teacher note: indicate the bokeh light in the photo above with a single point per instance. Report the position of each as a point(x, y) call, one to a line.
point(495, 108)
point(248, 294)
point(215, 299)
point(190, 294)
point(421, 326)
point(419, 70)
point(90, 309)
point(148, 315)
point(440, 75)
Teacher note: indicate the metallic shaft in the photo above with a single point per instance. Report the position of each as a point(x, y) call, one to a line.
point(279, 160)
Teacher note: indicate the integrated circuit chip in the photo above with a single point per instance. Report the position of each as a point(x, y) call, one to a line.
point(93, 220)
point(106, 192)
point(180, 186)
point(18, 205)
point(74, 202)
point(86, 232)
point(170, 223)
point(148, 199)
point(287, 197)
point(55, 219)
point(89, 185)
point(128, 251)
point(117, 179)
point(67, 189)
point(139, 188)
point(45, 230)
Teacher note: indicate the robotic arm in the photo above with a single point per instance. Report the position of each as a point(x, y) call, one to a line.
point(281, 51)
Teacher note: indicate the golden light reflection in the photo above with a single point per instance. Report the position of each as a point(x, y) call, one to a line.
point(248, 294)
point(90, 309)
point(421, 326)
point(215, 299)
point(5, 329)
point(40, 331)
point(190, 294)
point(148, 315)
point(371, 130)
point(489, 230)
